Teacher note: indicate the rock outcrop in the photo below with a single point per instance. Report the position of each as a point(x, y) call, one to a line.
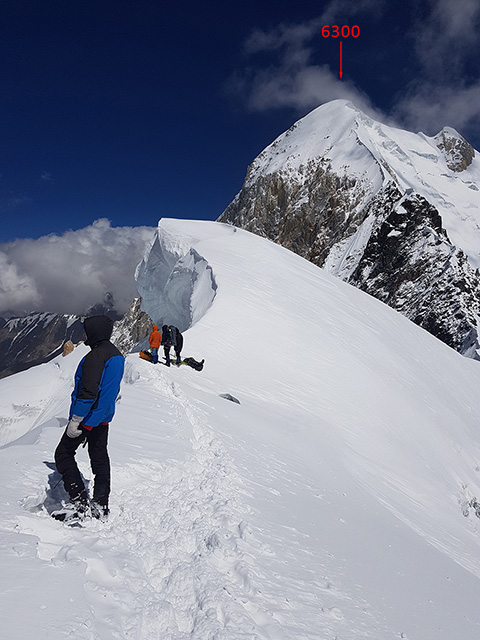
point(132, 328)
point(458, 153)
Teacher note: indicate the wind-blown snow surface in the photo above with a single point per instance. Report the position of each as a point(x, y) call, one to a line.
point(332, 502)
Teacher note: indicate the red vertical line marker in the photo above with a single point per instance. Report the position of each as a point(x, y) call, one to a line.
point(341, 61)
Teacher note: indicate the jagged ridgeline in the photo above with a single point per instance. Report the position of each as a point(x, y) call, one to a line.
point(394, 213)
point(35, 338)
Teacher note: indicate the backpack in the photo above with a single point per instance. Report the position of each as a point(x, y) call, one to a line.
point(173, 335)
point(169, 335)
point(194, 363)
point(166, 342)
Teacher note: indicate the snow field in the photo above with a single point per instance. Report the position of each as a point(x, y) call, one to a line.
point(177, 558)
point(332, 502)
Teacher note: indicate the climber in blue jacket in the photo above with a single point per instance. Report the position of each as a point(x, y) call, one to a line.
point(97, 384)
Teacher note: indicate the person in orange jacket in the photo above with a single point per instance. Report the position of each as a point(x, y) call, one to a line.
point(155, 341)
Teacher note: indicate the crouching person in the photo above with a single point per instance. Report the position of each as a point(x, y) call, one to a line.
point(97, 384)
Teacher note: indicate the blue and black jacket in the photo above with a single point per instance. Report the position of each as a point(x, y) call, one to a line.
point(98, 376)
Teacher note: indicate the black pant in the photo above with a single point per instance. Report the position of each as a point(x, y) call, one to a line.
point(100, 462)
point(166, 350)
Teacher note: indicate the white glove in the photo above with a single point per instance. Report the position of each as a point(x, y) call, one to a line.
point(73, 425)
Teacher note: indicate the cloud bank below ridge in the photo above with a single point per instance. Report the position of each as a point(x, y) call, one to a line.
point(71, 272)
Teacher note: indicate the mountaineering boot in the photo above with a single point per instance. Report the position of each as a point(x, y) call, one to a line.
point(77, 509)
point(99, 511)
point(81, 503)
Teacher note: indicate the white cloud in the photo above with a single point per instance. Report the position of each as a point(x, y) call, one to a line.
point(304, 87)
point(292, 80)
point(46, 176)
point(71, 272)
point(11, 201)
point(429, 108)
point(445, 37)
point(16, 287)
point(295, 37)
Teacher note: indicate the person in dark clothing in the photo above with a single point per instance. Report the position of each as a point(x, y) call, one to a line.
point(97, 384)
point(171, 337)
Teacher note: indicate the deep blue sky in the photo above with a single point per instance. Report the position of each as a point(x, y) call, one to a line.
point(136, 110)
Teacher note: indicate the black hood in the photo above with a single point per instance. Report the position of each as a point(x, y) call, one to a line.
point(97, 328)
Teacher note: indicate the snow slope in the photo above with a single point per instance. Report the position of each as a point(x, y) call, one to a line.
point(332, 502)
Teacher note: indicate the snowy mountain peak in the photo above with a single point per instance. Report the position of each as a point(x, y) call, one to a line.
point(335, 188)
point(340, 137)
point(327, 133)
